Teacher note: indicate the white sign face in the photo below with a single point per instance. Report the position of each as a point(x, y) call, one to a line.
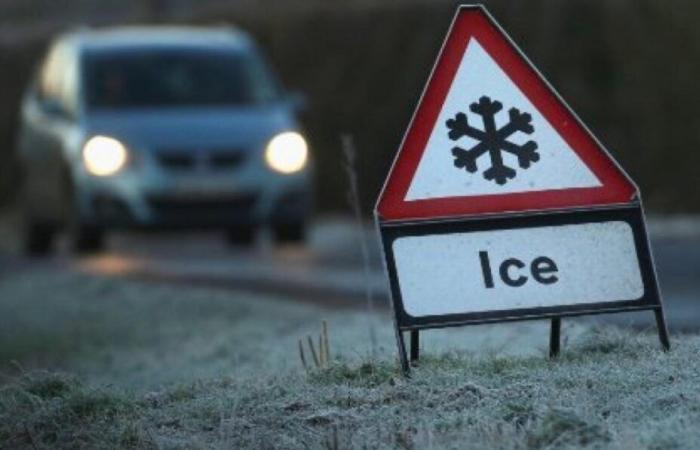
point(554, 165)
point(546, 266)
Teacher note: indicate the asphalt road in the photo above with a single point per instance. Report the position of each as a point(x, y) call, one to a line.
point(330, 269)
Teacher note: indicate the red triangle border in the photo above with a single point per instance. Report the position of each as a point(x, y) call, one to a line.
point(474, 22)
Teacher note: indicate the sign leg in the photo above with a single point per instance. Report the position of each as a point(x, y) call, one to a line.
point(555, 337)
point(403, 358)
point(415, 341)
point(663, 329)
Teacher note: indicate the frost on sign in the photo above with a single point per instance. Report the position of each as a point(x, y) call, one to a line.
point(493, 140)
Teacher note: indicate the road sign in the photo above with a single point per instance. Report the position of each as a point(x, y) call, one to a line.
point(501, 204)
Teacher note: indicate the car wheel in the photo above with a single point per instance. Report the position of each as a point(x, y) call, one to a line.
point(38, 238)
point(290, 232)
point(37, 235)
point(240, 235)
point(87, 239)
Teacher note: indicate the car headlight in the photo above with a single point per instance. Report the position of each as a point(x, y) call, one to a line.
point(287, 152)
point(104, 156)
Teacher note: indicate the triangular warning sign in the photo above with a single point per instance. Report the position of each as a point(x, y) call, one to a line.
point(490, 135)
point(481, 84)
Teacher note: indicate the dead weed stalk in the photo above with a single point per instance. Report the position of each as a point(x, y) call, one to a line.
point(350, 154)
point(320, 358)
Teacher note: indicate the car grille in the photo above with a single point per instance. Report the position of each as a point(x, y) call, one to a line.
point(202, 160)
point(222, 209)
point(176, 161)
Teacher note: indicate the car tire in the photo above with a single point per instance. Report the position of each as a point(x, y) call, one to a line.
point(240, 235)
point(37, 235)
point(88, 239)
point(290, 233)
point(38, 238)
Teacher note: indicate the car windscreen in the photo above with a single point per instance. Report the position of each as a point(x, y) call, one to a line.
point(170, 78)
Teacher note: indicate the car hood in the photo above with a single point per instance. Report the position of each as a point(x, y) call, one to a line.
point(245, 128)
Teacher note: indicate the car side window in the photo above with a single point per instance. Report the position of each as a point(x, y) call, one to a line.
point(57, 81)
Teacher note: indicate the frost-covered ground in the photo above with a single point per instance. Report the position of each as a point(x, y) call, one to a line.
point(103, 363)
point(142, 335)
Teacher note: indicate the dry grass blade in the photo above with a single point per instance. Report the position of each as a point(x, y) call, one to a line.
point(350, 153)
point(331, 442)
point(322, 357)
point(321, 351)
point(313, 351)
point(325, 341)
point(301, 355)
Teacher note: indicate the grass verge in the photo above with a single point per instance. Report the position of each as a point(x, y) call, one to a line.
point(89, 362)
point(609, 390)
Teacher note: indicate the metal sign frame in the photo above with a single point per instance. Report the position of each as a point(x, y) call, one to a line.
point(627, 210)
point(631, 214)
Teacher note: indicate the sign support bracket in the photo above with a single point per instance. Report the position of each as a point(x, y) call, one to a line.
point(408, 359)
point(663, 329)
point(555, 337)
point(415, 349)
point(403, 357)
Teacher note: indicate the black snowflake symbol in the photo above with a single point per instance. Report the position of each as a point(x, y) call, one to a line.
point(493, 140)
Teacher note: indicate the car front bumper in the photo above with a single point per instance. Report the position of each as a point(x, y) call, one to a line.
point(131, 201)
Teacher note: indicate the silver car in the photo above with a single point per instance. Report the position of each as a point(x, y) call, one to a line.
point(160, 127)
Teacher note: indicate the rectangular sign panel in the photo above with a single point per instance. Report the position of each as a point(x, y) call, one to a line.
point(517, 268)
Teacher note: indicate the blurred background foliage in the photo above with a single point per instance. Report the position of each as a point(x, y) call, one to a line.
point(629, 68)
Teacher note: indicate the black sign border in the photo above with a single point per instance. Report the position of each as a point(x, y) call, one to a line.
point(631, 214)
